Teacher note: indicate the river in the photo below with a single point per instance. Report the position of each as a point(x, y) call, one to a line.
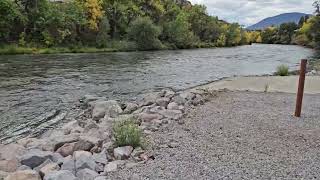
point(36, 88)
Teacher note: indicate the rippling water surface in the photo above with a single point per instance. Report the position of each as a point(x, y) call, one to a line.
point(36, 88)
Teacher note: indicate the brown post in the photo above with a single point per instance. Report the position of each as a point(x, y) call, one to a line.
point(301, 87)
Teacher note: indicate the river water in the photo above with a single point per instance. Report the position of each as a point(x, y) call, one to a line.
point(34, 89)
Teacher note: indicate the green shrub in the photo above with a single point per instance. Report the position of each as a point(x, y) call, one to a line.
point(145, 33)
point(127, 133)
point(282, 70)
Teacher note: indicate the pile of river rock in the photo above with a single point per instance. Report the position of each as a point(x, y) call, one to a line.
point(84, 149)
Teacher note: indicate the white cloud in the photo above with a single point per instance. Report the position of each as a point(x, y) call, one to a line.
point(248, 12)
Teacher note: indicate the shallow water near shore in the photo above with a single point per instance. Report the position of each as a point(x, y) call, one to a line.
point(36, 90)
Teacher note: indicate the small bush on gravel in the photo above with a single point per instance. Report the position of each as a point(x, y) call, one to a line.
point(282, 70)
point(127, 133)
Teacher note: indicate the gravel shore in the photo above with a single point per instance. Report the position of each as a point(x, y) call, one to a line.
point(237, 135)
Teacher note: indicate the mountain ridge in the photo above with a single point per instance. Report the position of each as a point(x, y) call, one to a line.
point(278, 20)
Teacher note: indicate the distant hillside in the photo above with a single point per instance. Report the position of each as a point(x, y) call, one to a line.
point(277, 20)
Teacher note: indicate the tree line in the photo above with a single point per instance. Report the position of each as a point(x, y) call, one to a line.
point(118, 24)
point(305, 33)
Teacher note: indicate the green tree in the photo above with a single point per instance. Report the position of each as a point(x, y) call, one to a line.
point(178, 32)
point(145, 34)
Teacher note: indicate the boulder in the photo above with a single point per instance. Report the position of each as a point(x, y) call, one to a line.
point(146, 117)
point(46, 162)
point(9, 165)
point(60, 175)
point(48, 169)
point(163, 102)
point(69, 165)
point(67, 149)
point(173, 106)
point(130, 107)
point(35, 157)
point(11, 151)
point(100, 157)
point(87, 174)
point(106, 108)
point(77, 154)
point(122, 152)
point(85, 162)
point(83, 145)
point(24, 175)
point(110, 167)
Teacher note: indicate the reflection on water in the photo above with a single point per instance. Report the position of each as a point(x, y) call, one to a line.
point(33, 86)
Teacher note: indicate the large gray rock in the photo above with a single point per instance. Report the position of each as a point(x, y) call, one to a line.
point(87, 174)
point(67, 149)
point(106, 108)
point(100, 157)
point(35, 157)
point(9, 165)
point(24, 175)
point(130, 107)
point(83, 145)
point(179, 100)
point(11, 151)
point(48, 161)
point(122, 152)
point(110, 167)
point(69, 165)
point(84, 161)
point(172, 114)
point(60, 175)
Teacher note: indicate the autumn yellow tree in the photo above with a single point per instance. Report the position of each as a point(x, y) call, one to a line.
point(94, 12)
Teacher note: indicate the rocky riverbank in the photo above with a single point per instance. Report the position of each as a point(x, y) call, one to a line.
point(86, 148)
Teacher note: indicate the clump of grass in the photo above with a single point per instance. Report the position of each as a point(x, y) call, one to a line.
point(127, 133)
point(282, 70)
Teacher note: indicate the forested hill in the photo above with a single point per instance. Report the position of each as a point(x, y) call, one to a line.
point(278, 20)
point(113, 24)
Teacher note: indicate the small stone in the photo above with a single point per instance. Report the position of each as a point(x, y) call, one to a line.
point(173, 106)
point(24, 175)
point(111, 167)
point(149, 99)
point(130, 107)
point(87, 174)
point(181, 121)
point(60, 175)
point(163, 102)
point(67, 149)
point(173, 145)
point(122, 152)
point(137, 152)
point(145, 117)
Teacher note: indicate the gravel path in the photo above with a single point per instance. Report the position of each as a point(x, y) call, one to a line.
point(238, 135)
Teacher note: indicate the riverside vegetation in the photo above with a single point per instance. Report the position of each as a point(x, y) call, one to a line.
point(44, 26)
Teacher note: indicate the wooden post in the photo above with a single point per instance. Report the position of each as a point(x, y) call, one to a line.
point(301, 87)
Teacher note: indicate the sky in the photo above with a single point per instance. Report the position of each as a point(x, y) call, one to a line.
point(248, 12)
